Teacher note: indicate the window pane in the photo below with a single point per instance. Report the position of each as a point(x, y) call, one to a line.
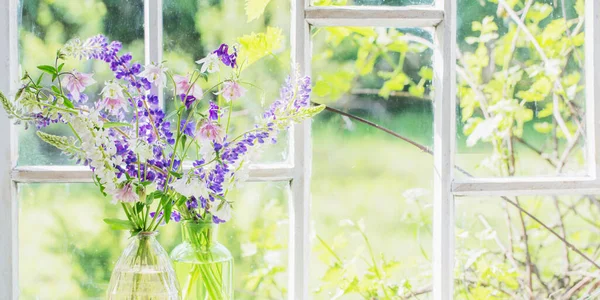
point(493, 241)
point(66, 251)
point(365, 180)
point(372, 2)
point(45, 26)
point(192, 29)
point(521, 87)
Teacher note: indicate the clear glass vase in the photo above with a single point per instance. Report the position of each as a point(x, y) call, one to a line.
point(204, 267)
point(143, 272)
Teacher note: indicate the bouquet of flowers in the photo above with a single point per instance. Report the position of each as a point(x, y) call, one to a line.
point(137, 153)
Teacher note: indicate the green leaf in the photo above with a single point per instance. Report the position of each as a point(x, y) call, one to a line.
point(175, 174)
point(167, 207)
point(48, 69)
point(118, 224)
point(68, 103)
point(580, 7)
point(181, 200)
point(154, 195)
point(539, 90)
point(55, 89)
point(255, 46)
point(417, 91)
point(543, 127)
point(60, 67)
point(39, 80)
point(426, 73)
point(255, 8)
point(116, 124)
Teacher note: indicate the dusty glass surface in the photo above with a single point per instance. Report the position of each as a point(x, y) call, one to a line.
point(521, 88)
point(45, 26)
point(67, 252)
point(371, 192)
point(193, 29)
point(502, 253)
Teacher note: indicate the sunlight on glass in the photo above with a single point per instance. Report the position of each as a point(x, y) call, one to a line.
point(67, 252)
point(45, 26)
point(371, 192)
point(521, 90)
point(190, 34)
point(502, 253)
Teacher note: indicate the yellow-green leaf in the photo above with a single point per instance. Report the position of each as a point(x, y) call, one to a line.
point(543, 127)
point(255, 8)
point(255, 46)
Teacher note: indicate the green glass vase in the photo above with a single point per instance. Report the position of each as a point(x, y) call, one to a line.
point(203, 266)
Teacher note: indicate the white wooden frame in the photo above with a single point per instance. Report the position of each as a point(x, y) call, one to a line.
point(297, 171)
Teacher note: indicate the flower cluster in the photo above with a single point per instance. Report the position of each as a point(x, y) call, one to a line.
point(135, 152)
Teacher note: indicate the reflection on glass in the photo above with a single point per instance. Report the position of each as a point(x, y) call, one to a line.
point(192, 29)
point(504, 254)
point(371, 192)
point(67, 252)
point(47, 25)
point(521, 79)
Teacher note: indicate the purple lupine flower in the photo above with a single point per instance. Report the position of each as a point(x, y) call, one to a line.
point(227, 59)
point(217, 220)
point(175, 216)
point(303, 94)
point(192, 203)
point(203, 202)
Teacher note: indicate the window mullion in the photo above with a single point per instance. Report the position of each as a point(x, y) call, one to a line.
point(8, 155)
point(153, 38)
point(299, 243)
point(444, 137)
point(592, 62)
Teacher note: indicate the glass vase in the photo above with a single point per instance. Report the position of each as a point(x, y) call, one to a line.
point(204, 267)
point(143, 272)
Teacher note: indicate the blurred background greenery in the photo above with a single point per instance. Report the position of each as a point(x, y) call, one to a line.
point(365, 183)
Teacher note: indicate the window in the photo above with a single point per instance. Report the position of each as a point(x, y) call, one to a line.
point(452, 224)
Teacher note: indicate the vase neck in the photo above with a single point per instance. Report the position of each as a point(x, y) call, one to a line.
point(146, 235)
point(199, 234)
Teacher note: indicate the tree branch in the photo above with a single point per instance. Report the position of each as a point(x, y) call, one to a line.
point(429, 151)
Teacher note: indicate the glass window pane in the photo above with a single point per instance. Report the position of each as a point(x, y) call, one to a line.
point(45, 26)
point(521, 90)
point(192, 29)
point(372, 2)
point(66, 251)
point(494, 241)
point(365, 180)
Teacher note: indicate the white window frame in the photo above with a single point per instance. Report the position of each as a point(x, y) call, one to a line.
point(297, 171)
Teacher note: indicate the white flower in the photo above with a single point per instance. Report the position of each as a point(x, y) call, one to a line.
point(155, 73)
point(221, 210)
point(210, 63)
point(142, 149)
point(190, 186)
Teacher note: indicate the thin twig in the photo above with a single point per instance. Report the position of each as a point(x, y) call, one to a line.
point(429, 151)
